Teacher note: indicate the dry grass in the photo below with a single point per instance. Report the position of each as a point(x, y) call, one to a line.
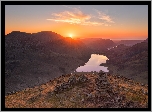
point(132, 90)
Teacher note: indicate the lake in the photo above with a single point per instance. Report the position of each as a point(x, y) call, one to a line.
point(93, 64)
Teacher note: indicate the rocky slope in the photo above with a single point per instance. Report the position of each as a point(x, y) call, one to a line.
point(91, 90)
point(32, 59)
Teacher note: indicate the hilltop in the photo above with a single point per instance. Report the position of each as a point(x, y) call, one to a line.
point(92, 90)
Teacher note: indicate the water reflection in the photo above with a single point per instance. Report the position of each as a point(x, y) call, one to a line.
point(93, 64)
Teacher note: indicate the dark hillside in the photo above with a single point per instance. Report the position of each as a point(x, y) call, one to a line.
point(98, 45)
point(40, 57)
point(132, 62)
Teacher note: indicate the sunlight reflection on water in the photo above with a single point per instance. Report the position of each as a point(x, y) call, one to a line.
point(93, 64)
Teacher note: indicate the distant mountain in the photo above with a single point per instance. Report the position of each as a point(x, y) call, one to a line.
point(32, 59)
point(131, 62)
point(129, 42)
point(99, 44)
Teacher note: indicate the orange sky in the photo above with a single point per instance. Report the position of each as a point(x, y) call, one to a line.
point(79, 22)
point(78, 31)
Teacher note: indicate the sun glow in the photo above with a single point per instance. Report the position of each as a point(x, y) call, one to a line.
point(70, 35)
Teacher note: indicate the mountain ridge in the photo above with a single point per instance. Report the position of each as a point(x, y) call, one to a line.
point(29, 55)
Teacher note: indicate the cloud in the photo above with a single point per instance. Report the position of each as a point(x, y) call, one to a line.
point(107, 18)
point(78, 17)
point(72, 17)
point(92, 23)
point(104, 16)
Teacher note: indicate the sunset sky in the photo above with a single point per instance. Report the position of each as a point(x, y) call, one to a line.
point(80, 21)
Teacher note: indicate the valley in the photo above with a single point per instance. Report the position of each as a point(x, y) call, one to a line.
point(32, 59)
point(36, 62)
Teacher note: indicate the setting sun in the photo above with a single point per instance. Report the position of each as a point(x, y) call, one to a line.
point(71, 35)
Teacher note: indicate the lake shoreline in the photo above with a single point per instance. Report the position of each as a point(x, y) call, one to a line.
point(94, 64)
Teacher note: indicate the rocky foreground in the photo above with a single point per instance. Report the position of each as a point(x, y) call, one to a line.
point(93, 90)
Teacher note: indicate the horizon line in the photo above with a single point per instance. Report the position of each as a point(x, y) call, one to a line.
point(76, 37)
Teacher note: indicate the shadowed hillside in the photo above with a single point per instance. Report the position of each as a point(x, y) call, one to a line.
point(131, 62)
point(98, 45)
point(32, 59)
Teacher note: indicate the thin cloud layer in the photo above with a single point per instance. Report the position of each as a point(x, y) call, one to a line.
point(104, 17)
point(78, 17)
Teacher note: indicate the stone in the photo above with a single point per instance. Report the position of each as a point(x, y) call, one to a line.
point(82, 78)
point(142, 84)
point(89, 95)
point(104, 82)
point(72, 80)
point(72, 100)
point(102, 87)
point(82, 99)
point(64, 86)
point(57, 88)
